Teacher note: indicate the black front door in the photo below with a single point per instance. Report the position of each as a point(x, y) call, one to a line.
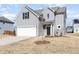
point(48, 30)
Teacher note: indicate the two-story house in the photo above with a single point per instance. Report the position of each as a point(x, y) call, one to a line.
point(42, 22)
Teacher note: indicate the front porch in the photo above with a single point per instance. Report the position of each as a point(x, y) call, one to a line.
point(48, 28)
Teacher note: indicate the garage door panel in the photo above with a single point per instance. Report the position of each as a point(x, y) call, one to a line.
point(26, 31)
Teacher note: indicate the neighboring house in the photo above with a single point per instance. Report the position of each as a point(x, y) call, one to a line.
point(76, 25)
point(69, 29)
point(6, 25)
point(42, 22)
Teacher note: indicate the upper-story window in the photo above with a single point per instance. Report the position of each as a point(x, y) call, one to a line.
point(48, 16)
point(26, 15)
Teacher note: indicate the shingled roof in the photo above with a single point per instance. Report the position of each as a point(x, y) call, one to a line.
point(39, 12)
point(5, 20)
point(59, 10)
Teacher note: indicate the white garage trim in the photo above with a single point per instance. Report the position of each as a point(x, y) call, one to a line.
point(26, 31)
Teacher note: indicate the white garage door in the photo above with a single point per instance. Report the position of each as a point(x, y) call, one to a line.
point(26, 31)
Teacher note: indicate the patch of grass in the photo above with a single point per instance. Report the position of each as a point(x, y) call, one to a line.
point(41, 42)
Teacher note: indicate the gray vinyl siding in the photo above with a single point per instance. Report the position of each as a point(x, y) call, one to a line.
point(31, 22)
point(40, 29)
point(51, 14)
point(59, 20)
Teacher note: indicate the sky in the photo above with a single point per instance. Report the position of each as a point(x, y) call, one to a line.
point(10, 11)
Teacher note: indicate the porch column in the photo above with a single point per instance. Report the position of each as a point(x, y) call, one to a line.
point(51, 30)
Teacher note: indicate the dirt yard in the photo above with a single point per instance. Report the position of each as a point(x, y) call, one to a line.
point(66, 44)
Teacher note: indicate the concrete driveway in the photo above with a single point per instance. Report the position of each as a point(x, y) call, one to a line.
point(11, 39)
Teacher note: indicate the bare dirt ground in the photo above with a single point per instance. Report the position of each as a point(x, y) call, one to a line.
point(66, 44)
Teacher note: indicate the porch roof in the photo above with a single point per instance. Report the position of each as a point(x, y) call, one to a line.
point(48, 22)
